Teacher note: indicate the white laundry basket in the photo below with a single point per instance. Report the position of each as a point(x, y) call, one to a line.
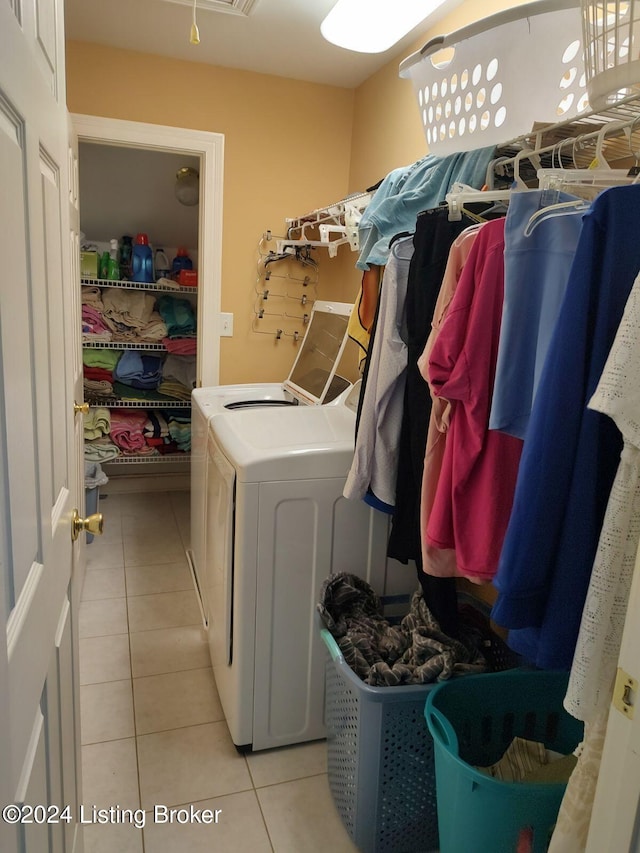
point(612, 50)
point(486, 83)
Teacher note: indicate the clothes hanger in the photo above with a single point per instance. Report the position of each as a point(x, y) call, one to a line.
point(563, 208)
point(461, 193)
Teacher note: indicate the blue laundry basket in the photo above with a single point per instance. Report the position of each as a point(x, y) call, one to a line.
point(380, 760)
point(473, 721)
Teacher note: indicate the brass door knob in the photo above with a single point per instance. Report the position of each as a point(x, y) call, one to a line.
point(92, 524)
point(81, 407)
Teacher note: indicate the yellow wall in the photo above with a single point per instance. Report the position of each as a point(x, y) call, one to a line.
point(287, 151)
point(290, 147)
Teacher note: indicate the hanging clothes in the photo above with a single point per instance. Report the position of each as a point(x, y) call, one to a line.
point(598, 646)
point(571, 452)
point(440, 562)
point(475, 488)
point(536, 272)
point(407, 192)
point(359, 327)
point(593, 672)
point(375, 461)
point(432, 240)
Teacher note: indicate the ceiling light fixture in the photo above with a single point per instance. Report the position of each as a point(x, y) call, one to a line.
point(187, 187)
point(373, 26)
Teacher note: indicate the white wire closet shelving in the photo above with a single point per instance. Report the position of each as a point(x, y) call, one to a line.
point(132, 403)
point(136, 345)
point(137, 285)
point(167, 458)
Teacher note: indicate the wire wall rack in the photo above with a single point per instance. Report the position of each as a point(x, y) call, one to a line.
point(286, 288)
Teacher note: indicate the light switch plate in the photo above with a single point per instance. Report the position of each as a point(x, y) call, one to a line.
point(226, 325)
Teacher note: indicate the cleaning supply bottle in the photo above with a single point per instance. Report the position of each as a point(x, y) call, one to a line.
point(142, 259)
point(125, 258)
point(113, 273)
point(161, 264)
point(103, 266)
point(182, 261)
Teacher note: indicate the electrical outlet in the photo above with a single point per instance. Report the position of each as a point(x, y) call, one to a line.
point(226, 325)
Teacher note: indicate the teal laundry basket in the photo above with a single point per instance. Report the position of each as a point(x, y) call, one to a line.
point(472, 721)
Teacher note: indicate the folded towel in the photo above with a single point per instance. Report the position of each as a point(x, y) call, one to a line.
point(182, 369)
point(93, 388)
point(107, 358)
point(138, 370)
point(91, 295)
point(181, 346)
point(178, 315)
point(100, 450)
point(127, 427)
point(97, 422)
point(132, 308)
point(175, 390)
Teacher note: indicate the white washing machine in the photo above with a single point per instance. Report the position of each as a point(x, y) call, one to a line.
point(312, 381)
point(274, 525)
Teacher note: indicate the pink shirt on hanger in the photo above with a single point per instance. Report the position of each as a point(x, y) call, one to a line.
point(474, 492)
point(440, 562)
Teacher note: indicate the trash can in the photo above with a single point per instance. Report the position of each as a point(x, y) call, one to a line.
point(472, 721)
point(94, 477)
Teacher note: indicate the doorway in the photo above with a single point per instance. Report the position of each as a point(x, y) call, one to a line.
point(111, 150)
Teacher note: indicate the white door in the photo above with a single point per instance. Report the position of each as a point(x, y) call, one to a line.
point(38, 463)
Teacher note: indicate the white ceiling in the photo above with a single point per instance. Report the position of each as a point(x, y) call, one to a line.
point(280, 37)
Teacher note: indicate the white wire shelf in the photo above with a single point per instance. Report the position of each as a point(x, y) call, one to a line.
point(167, 458)
point(585, 127)
point(137, 345)
point(137, 285)
point(120, 403)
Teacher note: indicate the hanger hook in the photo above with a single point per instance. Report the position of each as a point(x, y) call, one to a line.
point(629, 133)
point(560, 144)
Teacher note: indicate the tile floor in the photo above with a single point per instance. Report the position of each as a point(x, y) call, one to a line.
point(153, 731)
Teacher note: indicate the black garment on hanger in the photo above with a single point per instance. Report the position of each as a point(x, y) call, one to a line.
point(432, 241)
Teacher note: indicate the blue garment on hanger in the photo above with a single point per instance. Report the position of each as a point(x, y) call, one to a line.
point(401, 197)
point(536, 273)
point(571, 453)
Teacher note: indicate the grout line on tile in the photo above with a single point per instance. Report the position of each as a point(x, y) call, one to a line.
point(289, 781)
point(264, 820)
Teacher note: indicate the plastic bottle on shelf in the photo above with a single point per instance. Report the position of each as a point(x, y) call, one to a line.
point(182, 261)
point(113, 271)
point(103, 266)
point(161, 263)
point(125, 257)
point(142, 260)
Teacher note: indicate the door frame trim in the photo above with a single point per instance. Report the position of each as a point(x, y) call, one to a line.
point(209, 147)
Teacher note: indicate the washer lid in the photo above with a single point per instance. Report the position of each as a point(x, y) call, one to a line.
point(275, 444)
point(313, 371)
